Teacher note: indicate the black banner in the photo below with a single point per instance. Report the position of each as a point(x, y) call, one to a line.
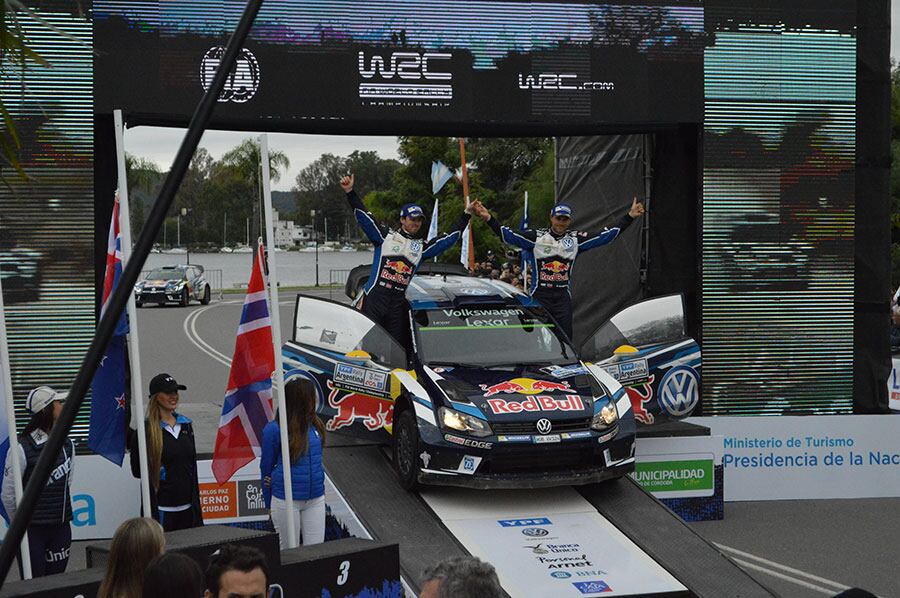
point(313, 65)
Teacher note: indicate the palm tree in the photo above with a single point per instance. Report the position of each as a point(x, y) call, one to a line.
point(245, 161)
point(141, 174)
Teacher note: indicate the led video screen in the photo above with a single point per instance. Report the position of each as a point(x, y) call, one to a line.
point(314, 65)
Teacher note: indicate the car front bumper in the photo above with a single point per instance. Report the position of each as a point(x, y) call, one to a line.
point(157, 297)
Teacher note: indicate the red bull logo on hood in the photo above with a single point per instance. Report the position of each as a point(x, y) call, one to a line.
point(524, 386)
point(539, 403)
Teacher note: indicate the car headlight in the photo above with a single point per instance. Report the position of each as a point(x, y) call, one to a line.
point(454, 420)
point(607, 416)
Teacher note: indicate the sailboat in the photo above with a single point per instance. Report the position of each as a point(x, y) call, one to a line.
point(225, 248)
point(246, 247)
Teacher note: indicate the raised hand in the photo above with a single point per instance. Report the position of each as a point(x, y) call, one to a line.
point(347, 183)
point(637, 208)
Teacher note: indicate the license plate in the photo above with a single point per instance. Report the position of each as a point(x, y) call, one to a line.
point(546, 439)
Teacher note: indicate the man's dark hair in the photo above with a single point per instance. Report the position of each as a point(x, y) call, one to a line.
point(234, 557)
point(465, 577)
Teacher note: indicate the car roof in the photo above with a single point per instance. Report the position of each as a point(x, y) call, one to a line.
point(450, 290)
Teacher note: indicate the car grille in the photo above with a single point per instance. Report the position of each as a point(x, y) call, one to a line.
point(569, 425)
point(559, 458)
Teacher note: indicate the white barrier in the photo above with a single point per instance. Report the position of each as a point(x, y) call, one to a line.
point(784, 457)
point(894, 385)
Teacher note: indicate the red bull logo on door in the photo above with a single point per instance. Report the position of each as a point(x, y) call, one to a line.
point(524, 386)
point(640, 394)
point(536, 403)
point(375, 413)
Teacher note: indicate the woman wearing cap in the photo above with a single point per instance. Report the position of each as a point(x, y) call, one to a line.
point(49, 532)
point(306, 437)
point(171, 458)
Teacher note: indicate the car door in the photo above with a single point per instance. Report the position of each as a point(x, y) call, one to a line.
point(350, 358)
point(646, 348)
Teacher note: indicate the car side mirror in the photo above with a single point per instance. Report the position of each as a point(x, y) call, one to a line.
point(625, 350)
point(358, 355)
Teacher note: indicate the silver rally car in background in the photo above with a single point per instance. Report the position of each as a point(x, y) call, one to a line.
point(492, 396)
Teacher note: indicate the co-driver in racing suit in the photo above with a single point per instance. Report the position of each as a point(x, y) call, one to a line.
point(398, 254)
point(552, 253)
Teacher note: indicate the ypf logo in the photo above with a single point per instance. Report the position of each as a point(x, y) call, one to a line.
point(679, 390)
point(243, 81)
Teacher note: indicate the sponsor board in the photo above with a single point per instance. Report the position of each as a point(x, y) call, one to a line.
point(536, 403)
point(628, 371)
point(894, 385)
point(677, 467)
point(238, 499)
point(808, 457)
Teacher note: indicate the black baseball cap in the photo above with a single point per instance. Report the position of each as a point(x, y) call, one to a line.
point(164, 383)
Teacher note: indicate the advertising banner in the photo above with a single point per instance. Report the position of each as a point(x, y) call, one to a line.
point(785, 457)
point(550, 542)
point(682, 467)
point(894, 385)
point(99, 508)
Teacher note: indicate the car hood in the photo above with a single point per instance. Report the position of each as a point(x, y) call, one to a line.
point(522, 393)
point(161, 281)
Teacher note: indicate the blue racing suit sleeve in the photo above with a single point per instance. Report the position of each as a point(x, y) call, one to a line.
point(523, 239)
point(270, 447)
point(442, 243)
point(375, 232)
point(589, 241)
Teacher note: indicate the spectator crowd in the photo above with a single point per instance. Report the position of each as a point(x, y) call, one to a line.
point(507, 271)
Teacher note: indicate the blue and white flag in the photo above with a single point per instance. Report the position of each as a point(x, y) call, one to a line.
point(464, 249)
point(433, 225)
point(440, 174)
point(106, 435)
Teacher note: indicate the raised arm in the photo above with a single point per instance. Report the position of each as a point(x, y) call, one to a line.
point(590, 240)
point(524, 239)
point(442, 243)
point(374, 231)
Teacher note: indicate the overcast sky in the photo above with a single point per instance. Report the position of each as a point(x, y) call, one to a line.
point(160, 144)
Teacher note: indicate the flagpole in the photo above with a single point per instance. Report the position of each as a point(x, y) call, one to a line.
point(523, 261)
point(465, 182)
point(6, 391)
point(278, 386)
point(134, 361)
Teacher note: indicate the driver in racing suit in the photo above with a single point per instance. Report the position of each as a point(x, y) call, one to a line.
point(398, 254)
point(552, 253)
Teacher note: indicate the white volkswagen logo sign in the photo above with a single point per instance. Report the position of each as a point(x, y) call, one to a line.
point(544, 426)
point(679, 391)
point(241, 84)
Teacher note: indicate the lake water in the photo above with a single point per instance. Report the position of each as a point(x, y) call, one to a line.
point(294, 268)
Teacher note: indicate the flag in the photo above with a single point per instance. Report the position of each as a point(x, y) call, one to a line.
point(524, 255)
point(433, 225)
point(106, 435)
point(440, 174)
point(248, 398)
point(4, 422)
point(464, 250)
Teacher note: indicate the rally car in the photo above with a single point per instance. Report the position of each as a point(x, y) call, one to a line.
point(173, 284)
point(494, 395)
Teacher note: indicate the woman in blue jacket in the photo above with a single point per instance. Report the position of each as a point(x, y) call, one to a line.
point(306, 437)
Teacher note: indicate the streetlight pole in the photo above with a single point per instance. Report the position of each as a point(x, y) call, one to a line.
point(312, 217)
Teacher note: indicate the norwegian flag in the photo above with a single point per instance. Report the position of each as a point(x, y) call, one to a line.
point(106, 434)
point(248, 399)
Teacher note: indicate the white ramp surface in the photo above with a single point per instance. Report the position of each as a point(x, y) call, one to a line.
point(548, 542)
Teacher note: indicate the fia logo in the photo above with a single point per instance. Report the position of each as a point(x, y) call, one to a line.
point(679, 390)
point(243, 81)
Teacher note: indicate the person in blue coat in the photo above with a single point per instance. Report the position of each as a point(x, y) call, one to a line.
point(306, 437)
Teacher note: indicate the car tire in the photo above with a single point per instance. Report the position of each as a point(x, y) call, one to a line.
point(185, 298)
point(205, 299)
point(406, 450)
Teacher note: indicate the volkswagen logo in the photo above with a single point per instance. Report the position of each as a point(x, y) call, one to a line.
point(535, 532)
point(544, 426)
point(679, 390)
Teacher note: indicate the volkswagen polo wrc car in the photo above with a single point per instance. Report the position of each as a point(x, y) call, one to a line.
point(173, 284)
point(493, 395)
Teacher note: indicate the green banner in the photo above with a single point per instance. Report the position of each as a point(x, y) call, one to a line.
point(675, 476)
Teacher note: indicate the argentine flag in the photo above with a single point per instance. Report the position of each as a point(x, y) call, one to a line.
point(440, 174)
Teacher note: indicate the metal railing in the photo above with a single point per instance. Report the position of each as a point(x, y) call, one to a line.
point(336, 278)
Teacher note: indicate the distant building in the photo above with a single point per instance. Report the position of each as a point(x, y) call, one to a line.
point(285, 232)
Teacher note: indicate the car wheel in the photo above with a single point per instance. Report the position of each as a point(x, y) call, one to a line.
point(205, 299)
point(185, 298)
point(406, 450)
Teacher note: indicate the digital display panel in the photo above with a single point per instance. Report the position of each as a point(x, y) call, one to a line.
point(778, 209)
point(320, 65)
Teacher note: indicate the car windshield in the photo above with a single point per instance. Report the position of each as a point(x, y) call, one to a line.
point(485, 336)
point(165, 275)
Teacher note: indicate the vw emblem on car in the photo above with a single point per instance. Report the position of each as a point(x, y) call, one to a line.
point(544, 426)
point(535, 532)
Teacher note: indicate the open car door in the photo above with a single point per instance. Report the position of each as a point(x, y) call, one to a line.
point(350, 358)
point(645, 347)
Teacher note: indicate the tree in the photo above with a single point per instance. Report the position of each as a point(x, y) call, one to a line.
point(244, 160)
point(141, 174)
